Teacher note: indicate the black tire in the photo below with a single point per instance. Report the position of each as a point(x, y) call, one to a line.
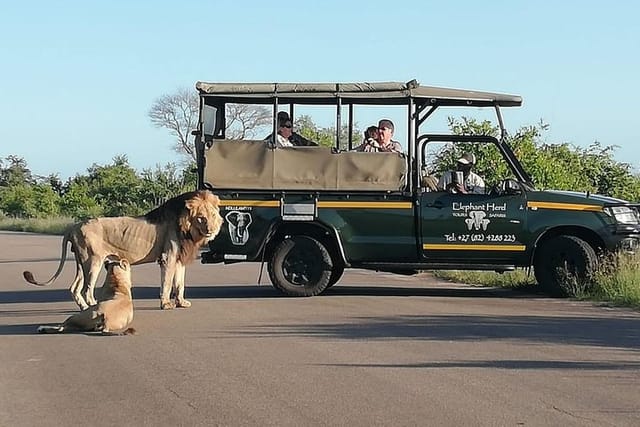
point(336, 274)
point(561, 256)
point(300, 267)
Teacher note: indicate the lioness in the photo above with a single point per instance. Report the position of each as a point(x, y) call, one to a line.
point(114, 312)
point(171, 235)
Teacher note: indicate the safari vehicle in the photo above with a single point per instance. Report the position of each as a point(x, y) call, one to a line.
point(311, 212)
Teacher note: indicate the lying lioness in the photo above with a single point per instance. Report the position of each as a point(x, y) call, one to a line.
point(113, 313)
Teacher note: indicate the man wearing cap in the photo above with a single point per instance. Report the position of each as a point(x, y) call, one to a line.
point(471, 182)
point(385, 133)
point(286, 137)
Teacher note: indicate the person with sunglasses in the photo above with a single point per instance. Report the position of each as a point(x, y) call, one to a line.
point(286, 137)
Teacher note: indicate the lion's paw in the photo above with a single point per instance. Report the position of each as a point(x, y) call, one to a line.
point(183, 303)
point(167, 305)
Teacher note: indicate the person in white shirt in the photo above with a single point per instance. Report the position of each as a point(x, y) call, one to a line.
point(471, 183)
point(286, 137)
point(285, 130)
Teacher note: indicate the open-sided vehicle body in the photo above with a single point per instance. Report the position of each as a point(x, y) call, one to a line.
point(311, 212)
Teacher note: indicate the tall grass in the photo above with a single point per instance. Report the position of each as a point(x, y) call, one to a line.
point(36, 225)
point(616, 280)
point(510, 279)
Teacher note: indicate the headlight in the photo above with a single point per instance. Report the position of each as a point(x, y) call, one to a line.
point(623, 214)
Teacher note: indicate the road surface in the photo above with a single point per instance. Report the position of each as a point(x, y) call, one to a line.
point(375, 350)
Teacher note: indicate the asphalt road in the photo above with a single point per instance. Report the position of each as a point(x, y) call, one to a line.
point(375, 350)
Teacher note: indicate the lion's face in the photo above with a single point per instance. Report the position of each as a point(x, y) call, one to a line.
point(118, 271)
point(203, 219)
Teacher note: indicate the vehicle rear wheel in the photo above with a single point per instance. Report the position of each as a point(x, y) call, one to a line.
point(562, 260)
point(300, 266)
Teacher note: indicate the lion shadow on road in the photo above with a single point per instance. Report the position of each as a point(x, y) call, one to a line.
point(145, 292)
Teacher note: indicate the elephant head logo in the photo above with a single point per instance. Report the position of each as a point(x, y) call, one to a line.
point(238, 226)
point(477, 221)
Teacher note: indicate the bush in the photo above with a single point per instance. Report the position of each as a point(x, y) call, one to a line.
point(29, 201)
point(618, 279)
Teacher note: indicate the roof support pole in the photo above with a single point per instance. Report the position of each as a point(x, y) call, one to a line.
point(350, 127)
point(411, 140)
point(275, 113)
point(338, 115)
point(503, 130)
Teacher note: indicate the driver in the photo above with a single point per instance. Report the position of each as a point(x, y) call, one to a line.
point(471, 182)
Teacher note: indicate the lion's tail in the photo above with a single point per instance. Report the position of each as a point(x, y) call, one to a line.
point(129, 331)
point(28, 276)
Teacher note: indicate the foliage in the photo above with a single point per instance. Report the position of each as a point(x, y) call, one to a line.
point(616, 280)
point(162, 183)
point(326, 136)
point(115, 187)
point(78, 203)
point(29, 201)
point(551, 166)
point(14, 171)
point(512, 279)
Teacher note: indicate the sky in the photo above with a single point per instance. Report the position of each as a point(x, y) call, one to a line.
point(77, 78)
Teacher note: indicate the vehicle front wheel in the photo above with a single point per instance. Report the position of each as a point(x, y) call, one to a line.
point(300, 266)
point(563, 263)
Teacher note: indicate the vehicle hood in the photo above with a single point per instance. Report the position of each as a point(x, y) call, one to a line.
point(581, 197)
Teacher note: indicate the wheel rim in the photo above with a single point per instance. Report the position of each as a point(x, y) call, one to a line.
point(300, 267)
point(563, 261)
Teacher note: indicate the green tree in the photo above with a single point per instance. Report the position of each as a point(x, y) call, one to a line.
point(551, 166)
point(78, 203)
point(29, 201)
point(116, 187)
point(14, 171)
point(326, 136)
point(163, 182)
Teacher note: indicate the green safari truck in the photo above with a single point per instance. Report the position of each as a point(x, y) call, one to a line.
point(309, 212)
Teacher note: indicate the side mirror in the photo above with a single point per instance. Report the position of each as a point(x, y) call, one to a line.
point(511, 186)
point(209, 120)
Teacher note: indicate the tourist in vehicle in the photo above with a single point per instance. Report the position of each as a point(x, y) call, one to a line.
point(471, 182)
point(286, 137)
point(385, 135)
point(370, 142)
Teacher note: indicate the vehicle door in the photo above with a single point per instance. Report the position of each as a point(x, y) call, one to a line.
point(475, 228)
point(472, 227)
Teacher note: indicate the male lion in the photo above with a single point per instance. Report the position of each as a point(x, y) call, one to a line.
point(114, 312)
point(171, 235)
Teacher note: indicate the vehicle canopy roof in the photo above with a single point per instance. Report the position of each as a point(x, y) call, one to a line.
point(384, 93)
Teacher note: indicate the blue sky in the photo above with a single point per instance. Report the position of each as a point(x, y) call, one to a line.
point(77, 78)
